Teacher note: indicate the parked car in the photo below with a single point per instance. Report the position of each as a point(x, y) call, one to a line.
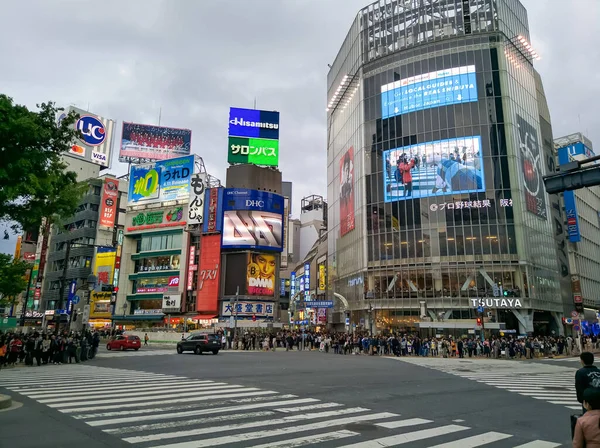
point(124, 342)
point(200, 343)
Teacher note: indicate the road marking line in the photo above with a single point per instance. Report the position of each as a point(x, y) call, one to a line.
point(237, 438)
point(404, 423)
point(154, 413)
point(538, 444)
point(162, 390)
point(309, 407)
point(120, 402)
point(179, 423)
point(408, 437)
point(236, 427)
point(36, 393)
point(171, 415)
point(154, 402)
point(309, 440)
point(475, 441)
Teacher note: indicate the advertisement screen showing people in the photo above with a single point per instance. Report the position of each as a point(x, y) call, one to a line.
point(436, 168)
point(347, 192)
point(141, 141)
point(260, 276)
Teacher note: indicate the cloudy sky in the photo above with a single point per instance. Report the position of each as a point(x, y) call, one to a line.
point(195, 58)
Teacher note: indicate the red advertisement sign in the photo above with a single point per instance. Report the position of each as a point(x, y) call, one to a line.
point(208, 274)
point(29, 256)
point(322, 315)
point(213, 200)
point(110, 194)
point(347, 192)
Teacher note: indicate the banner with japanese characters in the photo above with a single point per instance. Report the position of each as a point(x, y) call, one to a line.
point(459, 205)
point(245, 309)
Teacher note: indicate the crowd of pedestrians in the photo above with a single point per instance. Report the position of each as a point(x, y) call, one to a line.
point(42, 348)
point(409, 344)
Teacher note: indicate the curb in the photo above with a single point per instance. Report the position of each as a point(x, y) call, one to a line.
point(5, 401)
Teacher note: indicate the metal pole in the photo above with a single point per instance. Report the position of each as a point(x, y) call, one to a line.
point(26, 298)
point(483, 327)
point(237, 298)
point(63, 281)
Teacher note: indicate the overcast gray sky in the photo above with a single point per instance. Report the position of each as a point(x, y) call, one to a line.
point(195, 58)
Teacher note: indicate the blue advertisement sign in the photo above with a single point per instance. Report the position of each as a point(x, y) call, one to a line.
point(319, 304)
point(92, 130)
point(72, 289)
point(438, 168)
point(566, 154)
point(434, 89)
point(306, 278)
point(253, 123)
point(252, 219)
point(166, 180)
point(292, 285)
point(282, 288)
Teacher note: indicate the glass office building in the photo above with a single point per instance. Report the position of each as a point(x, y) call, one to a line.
point(436, 154)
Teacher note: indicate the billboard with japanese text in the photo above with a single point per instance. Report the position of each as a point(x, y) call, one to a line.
point(209, 271)
point(162, 181)
point(108, 206)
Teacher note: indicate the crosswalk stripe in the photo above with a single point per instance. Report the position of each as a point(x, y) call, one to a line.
point(182, 391)
point(309, 407)
point(51, 382)
point(271, 432)
point(408, 437)
point(404, 423)
point(538, 444)
point(178, 423)
point(309, 440)
point(36, 393)
point(160, 402)
point(475, 441)
point(121, 401)
point(237, 427)
point(197, 412)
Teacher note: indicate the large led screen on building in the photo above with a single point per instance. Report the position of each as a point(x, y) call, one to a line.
point(347, 192)
point(260, 275)
point(167, 180)
point(531, 166)
point(434, 89)
point(252, 219)
point(253, 123)
point(142, 141)
point(255, 151)
point(436, 168)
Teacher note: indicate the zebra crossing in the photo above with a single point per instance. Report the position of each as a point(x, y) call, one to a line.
point(562, 360)
point(423, 179)
point(153, 410)
point(545, 382)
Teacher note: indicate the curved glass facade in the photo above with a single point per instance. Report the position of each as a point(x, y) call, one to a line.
point(448, 203)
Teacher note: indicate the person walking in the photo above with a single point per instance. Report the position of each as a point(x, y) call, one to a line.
point(146, 338)
point(588, 376)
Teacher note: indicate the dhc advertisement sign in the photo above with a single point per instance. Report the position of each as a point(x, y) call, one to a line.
point(253, 123)
point(252, 219)
point(566, 154)
point(429, 90)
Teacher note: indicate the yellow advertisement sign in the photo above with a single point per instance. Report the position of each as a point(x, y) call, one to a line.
point(260, 275)
point(322, 281)
point(104, 270)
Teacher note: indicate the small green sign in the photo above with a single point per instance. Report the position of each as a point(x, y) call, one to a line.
point(144, 219)
point(257, 151)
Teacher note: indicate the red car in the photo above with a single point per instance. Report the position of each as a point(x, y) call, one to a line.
point(124, 342)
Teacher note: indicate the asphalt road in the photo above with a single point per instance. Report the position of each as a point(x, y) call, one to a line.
point(337, 401)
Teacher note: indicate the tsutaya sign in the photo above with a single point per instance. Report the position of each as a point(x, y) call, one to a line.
point(497, 302)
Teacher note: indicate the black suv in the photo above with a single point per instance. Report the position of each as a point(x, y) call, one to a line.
point(200, 343)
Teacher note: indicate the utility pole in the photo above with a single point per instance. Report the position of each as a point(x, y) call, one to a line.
point(24, 309)
point(237, 298)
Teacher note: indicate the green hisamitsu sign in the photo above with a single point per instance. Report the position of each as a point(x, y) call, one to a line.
point(256, 151)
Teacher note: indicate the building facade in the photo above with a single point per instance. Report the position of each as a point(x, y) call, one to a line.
point(582, 224)
point(438, 213)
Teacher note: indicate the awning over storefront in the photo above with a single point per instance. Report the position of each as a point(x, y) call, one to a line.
point(132, 317)
point(204, 317)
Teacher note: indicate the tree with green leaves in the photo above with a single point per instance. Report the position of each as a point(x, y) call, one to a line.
point(12, 279)
point(34, 180)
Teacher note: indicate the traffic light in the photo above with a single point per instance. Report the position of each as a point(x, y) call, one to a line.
point(479, 321)
point(505, 293)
